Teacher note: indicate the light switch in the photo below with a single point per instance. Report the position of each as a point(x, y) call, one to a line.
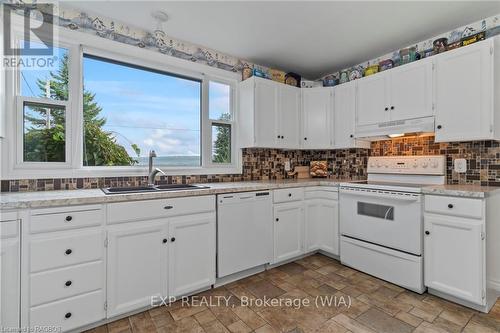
point(287, 166)
point(460, 165)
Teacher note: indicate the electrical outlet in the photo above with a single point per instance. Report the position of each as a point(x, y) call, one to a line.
point(287, 166)
point(460, 165)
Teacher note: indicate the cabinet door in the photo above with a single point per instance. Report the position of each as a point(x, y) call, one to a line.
point(288, 230)
point(137, 265)
point(9, 280)
point(317, 110)
point(312, 224)
point(191, 253)
point(454, 256)
point(411, 90)
point(328, 217)
point(372, 100)
point(463, 88)
point(344, 115)
point(266, 113)
point(289, 117)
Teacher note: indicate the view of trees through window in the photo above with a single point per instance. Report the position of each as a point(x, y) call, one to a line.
point(127, 111)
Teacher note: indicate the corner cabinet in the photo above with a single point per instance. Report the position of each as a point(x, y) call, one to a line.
point(269, 114)
point(465, 79)
point(317, 113)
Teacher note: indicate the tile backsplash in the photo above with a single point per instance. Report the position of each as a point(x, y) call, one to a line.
point(483, 165)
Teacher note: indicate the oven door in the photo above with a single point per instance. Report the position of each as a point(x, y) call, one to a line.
point(387, 218)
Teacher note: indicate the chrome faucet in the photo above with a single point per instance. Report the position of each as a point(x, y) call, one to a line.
point(153, 172)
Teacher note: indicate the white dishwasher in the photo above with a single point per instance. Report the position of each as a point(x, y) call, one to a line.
point(244, 231)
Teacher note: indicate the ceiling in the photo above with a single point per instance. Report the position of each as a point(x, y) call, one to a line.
point(311, 38)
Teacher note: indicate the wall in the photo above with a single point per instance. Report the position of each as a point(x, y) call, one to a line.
point(258, 164)
point(483, 165)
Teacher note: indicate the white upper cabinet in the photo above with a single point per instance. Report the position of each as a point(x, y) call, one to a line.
point(411, 91)
point(464, 93)
point(269, 114)
point(344, 98)
point(288, 116)
point(401, 93)
point(317, 110)
point(266, 113)
point(373, 99)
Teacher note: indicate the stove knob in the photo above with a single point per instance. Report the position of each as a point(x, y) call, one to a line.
point(378, 164)
point(386, 164)
point(434, 164)
point(424, 164)
point(415, 164)
point(372, 164)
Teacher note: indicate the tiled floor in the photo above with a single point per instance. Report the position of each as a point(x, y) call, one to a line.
point(376, 306)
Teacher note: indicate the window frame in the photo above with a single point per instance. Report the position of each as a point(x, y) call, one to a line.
point(77, 44)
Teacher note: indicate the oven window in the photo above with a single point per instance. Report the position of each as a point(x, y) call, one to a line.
point(374, 210)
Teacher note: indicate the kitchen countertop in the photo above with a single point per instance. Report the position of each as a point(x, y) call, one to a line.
point(41, 199)
point(470, 191)
point(20, 200)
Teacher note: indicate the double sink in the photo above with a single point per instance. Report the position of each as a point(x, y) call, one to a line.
point(155, 188)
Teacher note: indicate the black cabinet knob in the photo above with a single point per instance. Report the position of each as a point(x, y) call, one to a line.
point(69, 218)
point(282, 136)
point(277, 219)
point(279, 137)
point(289, 194)
point(68, 283)
point(352, 136)
point(450, 206)
point(67, 315)
point(392, 107)
point(168, 207)
point(439, 126)
point(386, 109)
point(164, 240)
point(305, 138)
point(427, 232)
point(172, 239)
point(68, 252)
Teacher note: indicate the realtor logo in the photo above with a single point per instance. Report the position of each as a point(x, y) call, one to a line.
point(28, 35)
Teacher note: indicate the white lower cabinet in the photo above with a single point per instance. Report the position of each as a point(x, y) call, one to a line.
point(312, 225)
point(137, 265)
point(288, 230)
point(9, 270)
point(328, 215)
point(191, 253)
point(454, 256)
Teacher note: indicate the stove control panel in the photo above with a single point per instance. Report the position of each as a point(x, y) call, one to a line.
point(412, 165)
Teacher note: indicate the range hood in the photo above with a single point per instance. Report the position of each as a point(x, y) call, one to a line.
point(382, 131)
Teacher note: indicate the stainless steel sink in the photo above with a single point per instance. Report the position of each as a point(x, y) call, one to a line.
point(156, 188)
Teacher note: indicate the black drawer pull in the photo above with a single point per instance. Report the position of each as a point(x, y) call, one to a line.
point(427, 232)
point(68, 252)
point(68, 283)
point(69, 218)
point(450, 206)
point(168, 207)
point(67, 315)
point(277, 219)
point(164, 240)
point(289, 194)
point(172, 239)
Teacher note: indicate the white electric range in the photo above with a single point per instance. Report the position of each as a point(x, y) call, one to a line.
point(381, 220)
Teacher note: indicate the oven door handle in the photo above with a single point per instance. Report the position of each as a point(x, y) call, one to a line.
point(382, 195)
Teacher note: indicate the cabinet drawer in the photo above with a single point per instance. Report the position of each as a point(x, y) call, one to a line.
point(60, 251)
point(321, 193)
point(66, 282)
point(70, 313)
point(147, 209)
point(454, 206)
point(288, 194)
point(9, 229)
point(65, 218)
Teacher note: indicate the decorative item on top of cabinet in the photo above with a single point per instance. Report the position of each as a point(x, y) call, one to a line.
point(319, 169)
point(440, 45)
point(370, 70)
point(386, 64)
point(474, 38)
point(292, 79)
